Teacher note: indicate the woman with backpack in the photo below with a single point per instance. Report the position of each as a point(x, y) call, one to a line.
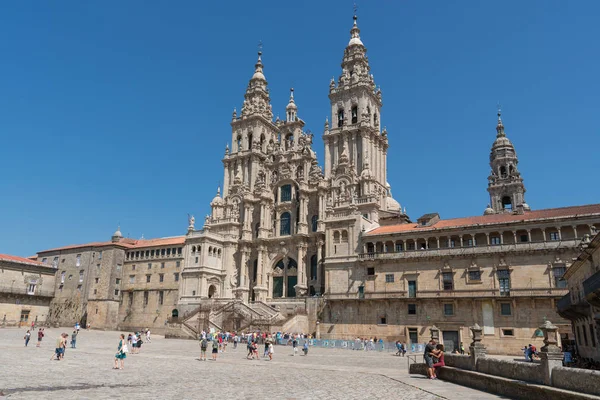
point(215, 348)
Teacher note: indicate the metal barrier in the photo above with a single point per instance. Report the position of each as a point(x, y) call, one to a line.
point(388, 347)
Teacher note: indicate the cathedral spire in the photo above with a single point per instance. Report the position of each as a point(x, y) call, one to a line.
point(256, 99)
point(500, 126)
point(291, 109)
point(505, 184)
point(355, 32)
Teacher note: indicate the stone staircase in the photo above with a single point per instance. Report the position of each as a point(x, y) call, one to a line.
point(232, 315)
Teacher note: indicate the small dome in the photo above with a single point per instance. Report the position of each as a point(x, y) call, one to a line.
point(217, 201)
point(259, 75)
point(526, 207)
point(489, 210)
point(117, 234)
point(355, 40)
point(392, 204)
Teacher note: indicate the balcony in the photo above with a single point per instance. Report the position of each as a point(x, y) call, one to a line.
point(470, 250)
point(591, 289)
point(451, 294)
point(23, 291)
point(570, 311)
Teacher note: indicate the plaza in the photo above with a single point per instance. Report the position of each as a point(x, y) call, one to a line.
point(170, 368)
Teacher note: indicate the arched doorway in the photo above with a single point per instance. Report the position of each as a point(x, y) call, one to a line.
point(212, 291)
point(175, 313)
point(285, 277)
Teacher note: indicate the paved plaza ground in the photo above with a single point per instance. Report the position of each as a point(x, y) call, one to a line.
point(170, 369)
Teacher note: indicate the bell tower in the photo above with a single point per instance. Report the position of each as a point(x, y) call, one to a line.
point(355, 144)
point(505, 184)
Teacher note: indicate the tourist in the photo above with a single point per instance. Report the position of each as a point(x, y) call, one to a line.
point(270, 350)
point(295, 345)
point(121, 353)
point(27, 337)
point(439, 354)
point(148, 335)
point(462, 348)
point(255, 350)
point(250, 355)
point(203, 347)
point(428, 358)
point(77, 326)
point(134, 341)
point(59, 351)
point(266, 352)
point(215, 349)
point(139, 341)
point(74, 339)
point(305, 347)
point(236, 339)
point(40, 337)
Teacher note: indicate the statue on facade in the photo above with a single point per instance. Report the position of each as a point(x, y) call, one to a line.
point(191, 221)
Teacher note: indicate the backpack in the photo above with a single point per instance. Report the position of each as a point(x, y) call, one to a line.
point(204, 344)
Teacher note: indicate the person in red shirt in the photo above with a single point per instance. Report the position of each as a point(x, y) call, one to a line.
point(439, 354)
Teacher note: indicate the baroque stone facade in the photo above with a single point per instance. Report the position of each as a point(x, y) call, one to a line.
point(288, 244)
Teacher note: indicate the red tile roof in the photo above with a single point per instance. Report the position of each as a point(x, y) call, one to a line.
point(548, 213)
point(21, 260)
point(127, 243)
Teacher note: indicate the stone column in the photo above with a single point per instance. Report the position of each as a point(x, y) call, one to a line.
point(550, 355)
point(301, 288)
point(476, 349)
point(261, 289)
point(320, 274)
point(318, 333)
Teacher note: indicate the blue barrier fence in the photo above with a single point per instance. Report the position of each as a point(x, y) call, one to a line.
point(354, 345)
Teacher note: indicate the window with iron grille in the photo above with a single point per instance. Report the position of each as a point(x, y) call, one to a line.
point(389, 278)
point(475, 275)
point(504, 282)
point(448, 279)
point(558, 273)
point(448, 309)
point(286, 193)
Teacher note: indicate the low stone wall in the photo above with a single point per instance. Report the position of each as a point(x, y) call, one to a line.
point(514, 389)
point(510, 369)
point(458, 361)
point(580, 380)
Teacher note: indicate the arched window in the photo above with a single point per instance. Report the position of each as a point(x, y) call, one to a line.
point(175, 313)
point(199, 249)
point(239, 143)
point(375, 118)
point(210, 251)
point(507, 203)
point(219, 253)
point(313, 267)
point(340, 118)
point(285, 224)
point(286, 193)
point(249, 141)
point(336, 237)
point(289, 141)
point(344, 236)
point(255, 271)
point(193, 249)
point(354, 114)
point(262, 142)
point(314, 220)
point(503, 171)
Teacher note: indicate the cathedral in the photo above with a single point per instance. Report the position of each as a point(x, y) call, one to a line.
point(278, 208)
point(292, 246)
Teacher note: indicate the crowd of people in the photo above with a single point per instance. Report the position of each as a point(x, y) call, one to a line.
point(218, 342)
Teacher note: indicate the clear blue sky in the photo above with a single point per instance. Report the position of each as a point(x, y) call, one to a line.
point(118, 111)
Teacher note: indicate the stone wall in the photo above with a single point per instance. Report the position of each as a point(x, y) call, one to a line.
point(348, 319)
point(579, 380)
point(458, 361)
point(524, 371)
